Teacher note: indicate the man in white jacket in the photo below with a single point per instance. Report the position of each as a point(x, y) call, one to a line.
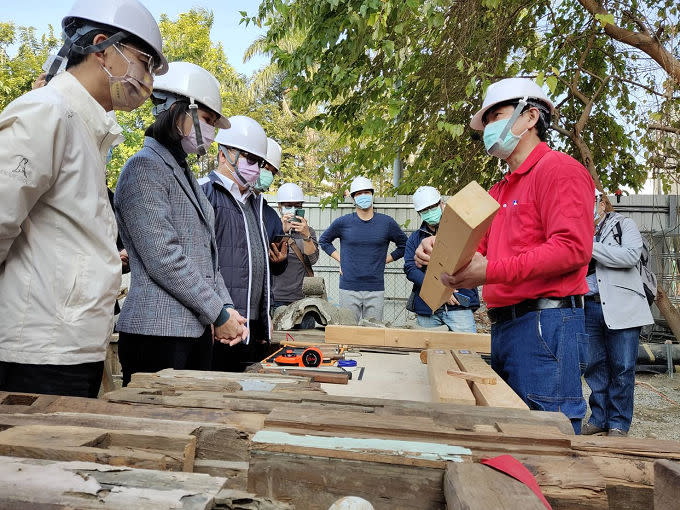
point(59, 265)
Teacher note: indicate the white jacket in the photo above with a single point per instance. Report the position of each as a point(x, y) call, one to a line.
point(624, 304)
point(59, 265)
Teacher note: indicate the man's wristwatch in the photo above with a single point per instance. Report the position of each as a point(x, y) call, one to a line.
point(308, 238)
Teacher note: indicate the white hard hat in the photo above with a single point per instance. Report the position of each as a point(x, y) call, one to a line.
point(127, 15)
point(360, 184)
point(273, 153)
point(290, 193)
point(505, 90)
point(244, 134)
point(426, 196)
point(192, 82)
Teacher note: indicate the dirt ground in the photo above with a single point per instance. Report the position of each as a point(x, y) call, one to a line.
point(654, 416)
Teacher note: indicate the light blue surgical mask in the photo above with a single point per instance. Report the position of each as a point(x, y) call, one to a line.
point(287, 210)
point(264, 180)
point(364, 201)
point(492, 139)
point(432, 216)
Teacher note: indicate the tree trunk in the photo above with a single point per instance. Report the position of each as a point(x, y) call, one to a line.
point(669, 312)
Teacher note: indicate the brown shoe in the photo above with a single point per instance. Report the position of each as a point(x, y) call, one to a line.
point(589, 429)
point(617, 433)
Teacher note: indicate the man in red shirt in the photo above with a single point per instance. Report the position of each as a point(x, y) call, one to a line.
point(534, 257)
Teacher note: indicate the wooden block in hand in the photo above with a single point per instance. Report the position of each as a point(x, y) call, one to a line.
point(466, 218)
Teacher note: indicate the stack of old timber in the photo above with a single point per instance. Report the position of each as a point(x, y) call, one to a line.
point(283, 438)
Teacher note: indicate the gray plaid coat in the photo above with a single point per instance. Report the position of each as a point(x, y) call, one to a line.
point(168, 229)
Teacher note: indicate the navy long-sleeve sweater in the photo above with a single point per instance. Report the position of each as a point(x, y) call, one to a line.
point(363, 249)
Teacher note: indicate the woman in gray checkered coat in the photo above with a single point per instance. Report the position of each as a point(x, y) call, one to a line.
point(178, 303)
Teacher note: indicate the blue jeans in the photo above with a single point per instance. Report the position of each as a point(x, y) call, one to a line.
point(537, 355)
point(608, 358)
point(456, 320)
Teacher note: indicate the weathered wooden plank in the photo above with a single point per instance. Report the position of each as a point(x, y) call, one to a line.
point(444, 387)
point(34, 483)
point(312, 483)
point(629, 446)
point(495, 395)
point(411, 338)
point(374, 449)
point(423, 428)
point(479, 487)
point(119, 448)
point(666, 484)
point(236, 473)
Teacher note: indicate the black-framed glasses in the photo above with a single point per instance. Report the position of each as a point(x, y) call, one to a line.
point(252, 159)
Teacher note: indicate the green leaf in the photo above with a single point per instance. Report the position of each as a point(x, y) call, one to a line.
point(605, 19)
point(551, 82)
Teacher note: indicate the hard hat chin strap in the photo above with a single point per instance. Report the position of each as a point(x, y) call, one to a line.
point(71, 46)
point(234, 165)
point(201, 148)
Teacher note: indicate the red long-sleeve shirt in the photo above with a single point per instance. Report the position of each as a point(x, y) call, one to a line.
point(540, 242)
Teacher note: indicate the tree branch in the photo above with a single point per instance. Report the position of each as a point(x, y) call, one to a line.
point(642, 41)
point(667, 129)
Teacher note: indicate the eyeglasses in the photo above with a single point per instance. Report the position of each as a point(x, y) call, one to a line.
point(252, 159)
point(150, 61)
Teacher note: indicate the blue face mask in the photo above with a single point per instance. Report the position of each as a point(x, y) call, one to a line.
point(287, 210)
point(264, 180)
point(494, 145)
point(432, 216)
point(364, 201)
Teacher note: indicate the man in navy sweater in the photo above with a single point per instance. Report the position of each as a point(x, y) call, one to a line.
point(364, 238)
point(456, 314)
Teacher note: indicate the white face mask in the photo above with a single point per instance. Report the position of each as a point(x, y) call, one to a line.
point(287, 210)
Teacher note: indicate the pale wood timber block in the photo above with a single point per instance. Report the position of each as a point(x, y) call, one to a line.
point(666, 484)
point(229, 499)
point(300, 336)
point(466, 218)
point(479, 487)
point(313, 472)
point(45, 484)
point(469, 376)
point(497, 395)
point(119, 448)
point(355, 335)
point(407, 338)
point(444, 387)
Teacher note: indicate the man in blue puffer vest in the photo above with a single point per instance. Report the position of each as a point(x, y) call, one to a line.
point(456, 314)
point(245, 247)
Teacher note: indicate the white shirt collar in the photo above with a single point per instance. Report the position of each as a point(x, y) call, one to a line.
point(234, 189)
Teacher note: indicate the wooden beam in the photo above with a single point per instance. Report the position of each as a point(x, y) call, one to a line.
point(496, 395)
point(666, 484)
point(445, 388)
point(479, 487)
point(466, 218)
point(409, 338)
point(469, 376)
point(149, 450)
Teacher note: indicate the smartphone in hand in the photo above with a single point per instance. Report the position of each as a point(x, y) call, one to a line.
point(462, 299)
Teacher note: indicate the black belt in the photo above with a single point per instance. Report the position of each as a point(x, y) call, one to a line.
point(594, 297)
point(508, 313)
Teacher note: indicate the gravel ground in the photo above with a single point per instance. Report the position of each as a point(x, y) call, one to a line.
point(653, 415)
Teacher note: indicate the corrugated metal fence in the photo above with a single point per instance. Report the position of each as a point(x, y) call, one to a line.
point(655, 215)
